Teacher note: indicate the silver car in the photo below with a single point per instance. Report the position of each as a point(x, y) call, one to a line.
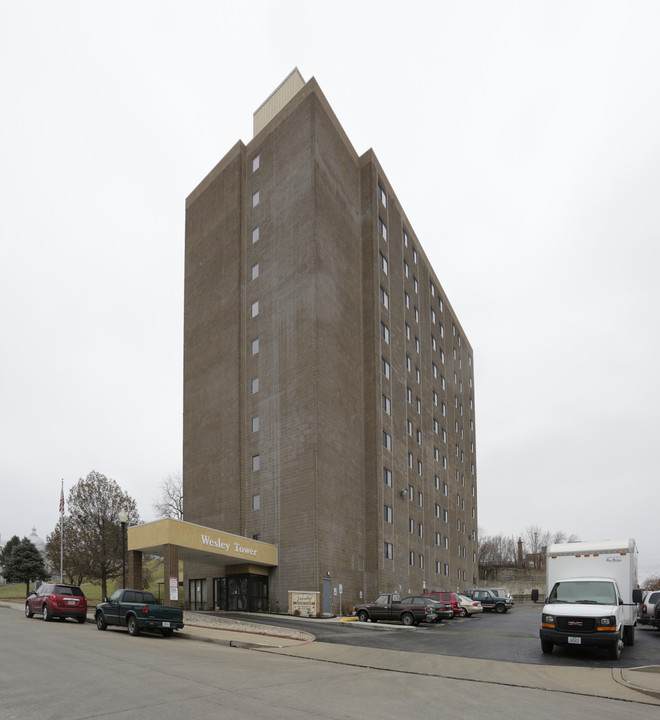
point(647, 606)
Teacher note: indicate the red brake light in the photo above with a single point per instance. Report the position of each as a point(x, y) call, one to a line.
point(145, 610)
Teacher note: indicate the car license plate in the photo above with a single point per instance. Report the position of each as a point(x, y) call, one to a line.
point(166, 623)
point(72, 602)
point(574, 641)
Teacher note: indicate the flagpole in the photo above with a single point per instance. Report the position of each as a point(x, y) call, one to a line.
point(62, 533)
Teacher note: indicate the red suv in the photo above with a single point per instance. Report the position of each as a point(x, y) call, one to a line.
point(447, 597)
point(56, 600)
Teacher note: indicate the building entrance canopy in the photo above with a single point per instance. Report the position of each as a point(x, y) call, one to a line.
point(200, 544)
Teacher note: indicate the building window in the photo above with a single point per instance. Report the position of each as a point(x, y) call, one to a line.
point(255, 308)
point(419, 436)
point(255, 463)
point(445, 518)
point(415, 285)
point(255, 198)
point(387, 405)
point(385, 332)
point(387, 441)
point(421, 562)
point(382, 195)
point(411, 526)
point(382, 228)
point(411, 558)
point(406, 299)
point(386, 368)
point(411, 493)
point(405, 268)
point(255, 163)
point(438, 567)
point(255, 346)
point(255, 235)
point(405, 238)
point(420, 499)
point(419, 467)
point(388, 552)
point(446, 570)
point(255, 423)
point(255, 385)
point(444, 463)
point(255, 271)
point(438, 539)
point(410, 460)
point(383, 262)
point(388, 514)
point(407, 331)
point(256, 502)
point(446, 543)
point(433, 294)
point(384, 298)
point(418, 404)
point(437, 514)
point(420, 530)
point(414, 256)
point(387, 477)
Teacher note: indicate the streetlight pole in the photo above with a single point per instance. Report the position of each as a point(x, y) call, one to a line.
point(123, 519)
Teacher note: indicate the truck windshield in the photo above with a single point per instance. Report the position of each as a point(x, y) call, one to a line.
point(584, 591)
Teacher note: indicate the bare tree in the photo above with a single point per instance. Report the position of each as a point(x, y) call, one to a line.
point(92, 531)
point(170, 502)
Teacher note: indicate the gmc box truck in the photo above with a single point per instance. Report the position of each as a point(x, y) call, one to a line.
point(592, 595)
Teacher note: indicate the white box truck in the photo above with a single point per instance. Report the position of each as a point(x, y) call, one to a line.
point(592, 595)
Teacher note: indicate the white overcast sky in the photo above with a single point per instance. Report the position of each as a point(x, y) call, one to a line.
point(522, 139)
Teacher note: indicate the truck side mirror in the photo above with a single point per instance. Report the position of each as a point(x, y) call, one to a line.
point(637, 595)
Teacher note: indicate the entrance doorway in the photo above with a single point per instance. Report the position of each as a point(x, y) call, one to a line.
point(241, 593)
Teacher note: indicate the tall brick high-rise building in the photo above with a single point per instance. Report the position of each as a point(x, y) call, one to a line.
point(328, 384)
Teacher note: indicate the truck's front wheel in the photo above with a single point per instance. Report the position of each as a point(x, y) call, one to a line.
point(629, 635)
point(363, 616)
point(500, 608)
point(133, 627)
point(101, 624)
point(615, 650)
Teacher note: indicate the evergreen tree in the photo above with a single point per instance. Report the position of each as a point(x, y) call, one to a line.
point(25, 564)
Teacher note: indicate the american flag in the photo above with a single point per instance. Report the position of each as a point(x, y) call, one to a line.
point(62, 499)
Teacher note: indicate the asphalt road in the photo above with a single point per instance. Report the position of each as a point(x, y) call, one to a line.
point(64, 670)
point(512, 636)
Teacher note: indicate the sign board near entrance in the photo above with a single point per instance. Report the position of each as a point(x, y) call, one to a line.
point(304, 603)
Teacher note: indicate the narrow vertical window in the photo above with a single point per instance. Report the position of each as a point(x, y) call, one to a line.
point(255, 271)
point(255, 198)
point(255, 308)
point(255, 163)
point(255, 235)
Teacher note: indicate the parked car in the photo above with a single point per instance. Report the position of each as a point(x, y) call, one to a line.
point(655, 615)
point(55, 600)
point(647, 606)
point(501, 592)
point(441, 610)
point(447, 597)
point(388, 606)
point(137, 610)
point(490, 601)
point(469, 606)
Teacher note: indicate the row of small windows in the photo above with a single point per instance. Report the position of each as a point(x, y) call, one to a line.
point(440, 568)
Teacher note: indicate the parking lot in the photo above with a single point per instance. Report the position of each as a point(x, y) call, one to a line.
point(512, 636)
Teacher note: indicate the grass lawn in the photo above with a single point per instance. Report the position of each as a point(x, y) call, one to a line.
point(16, 593)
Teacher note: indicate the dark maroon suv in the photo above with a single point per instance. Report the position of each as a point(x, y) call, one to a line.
point(57, 600)
point(447, 597)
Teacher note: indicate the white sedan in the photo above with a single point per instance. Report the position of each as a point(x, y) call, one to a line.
point(468, 606)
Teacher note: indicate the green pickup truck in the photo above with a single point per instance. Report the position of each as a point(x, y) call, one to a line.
point(137, 610)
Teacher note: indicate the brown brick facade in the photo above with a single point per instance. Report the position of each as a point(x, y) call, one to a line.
point(308, 441)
